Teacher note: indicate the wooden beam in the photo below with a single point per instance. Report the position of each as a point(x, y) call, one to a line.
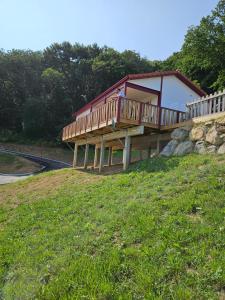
point(75, 155)
point(102, 154)
point(132, 131)
point(96, 157)
point(86, 156)
point(126, 153)
point(177, 125)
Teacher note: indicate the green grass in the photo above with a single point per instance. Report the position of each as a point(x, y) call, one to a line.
point(155, 232)
point(7, 158)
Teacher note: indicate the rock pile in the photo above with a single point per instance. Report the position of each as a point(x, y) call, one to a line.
point(203, 138)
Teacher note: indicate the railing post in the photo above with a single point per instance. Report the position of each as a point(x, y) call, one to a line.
point(159, 117)
point(85, 123)
point(118, 110)
point(140, 113)
point(107, 113)
point(178, 116)
point(98, 116)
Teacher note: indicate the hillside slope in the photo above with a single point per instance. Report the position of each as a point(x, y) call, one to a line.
point(155, 232)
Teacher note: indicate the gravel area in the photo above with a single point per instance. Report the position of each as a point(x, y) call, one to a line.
point(8, 179)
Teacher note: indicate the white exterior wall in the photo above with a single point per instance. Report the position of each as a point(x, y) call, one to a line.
point(175, 94)
point(151, 83)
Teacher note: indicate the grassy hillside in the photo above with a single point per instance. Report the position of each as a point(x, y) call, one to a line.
point(155, 232)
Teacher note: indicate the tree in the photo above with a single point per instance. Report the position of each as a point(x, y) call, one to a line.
point(202, 56)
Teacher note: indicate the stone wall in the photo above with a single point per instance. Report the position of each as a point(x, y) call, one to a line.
point(202, 138)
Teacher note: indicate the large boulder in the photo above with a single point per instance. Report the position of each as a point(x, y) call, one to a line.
point(200, 147)
point(184, 148)
point(197, 133)
point(213, 137)
point(220, 128)
point(180, 134)
point(169, 148)
point(221, 149)
point(211, 149)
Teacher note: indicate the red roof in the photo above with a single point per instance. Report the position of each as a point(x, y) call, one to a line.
point(179, 75)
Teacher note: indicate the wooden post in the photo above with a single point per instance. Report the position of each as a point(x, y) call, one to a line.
point(96, 156)
point(140, 154)
point(126, 153)
point(86, 156)
point(75, 156)
point(110, 156)
point(102, 154)
point(130, 155)
point(158, 145)
point(149, 152)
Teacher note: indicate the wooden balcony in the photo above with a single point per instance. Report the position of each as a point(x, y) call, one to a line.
point(121, 113)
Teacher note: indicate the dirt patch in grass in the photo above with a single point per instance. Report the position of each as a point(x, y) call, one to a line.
point(41, 185)
point(56, 153)
point(195, 218)
point(11, 164)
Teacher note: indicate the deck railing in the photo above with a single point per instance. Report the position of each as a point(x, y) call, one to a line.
point(209, 104)
point(170, 116)
point(123, 111)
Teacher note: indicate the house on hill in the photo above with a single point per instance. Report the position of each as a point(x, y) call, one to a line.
point(131, 114)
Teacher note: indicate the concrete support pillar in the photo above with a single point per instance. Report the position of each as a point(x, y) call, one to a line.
point(110, 156)
point(102, 156)
point(75, 156)
point(86, 156)
point(126, 153)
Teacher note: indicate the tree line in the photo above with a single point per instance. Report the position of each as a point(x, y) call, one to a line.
point(39, 90)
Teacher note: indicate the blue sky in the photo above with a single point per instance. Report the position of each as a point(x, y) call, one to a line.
point(154, 28)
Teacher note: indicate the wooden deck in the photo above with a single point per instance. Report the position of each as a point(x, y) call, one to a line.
point(128, 124)
point(121, 113)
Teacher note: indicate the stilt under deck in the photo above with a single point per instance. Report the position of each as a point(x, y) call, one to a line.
point(121, 124)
